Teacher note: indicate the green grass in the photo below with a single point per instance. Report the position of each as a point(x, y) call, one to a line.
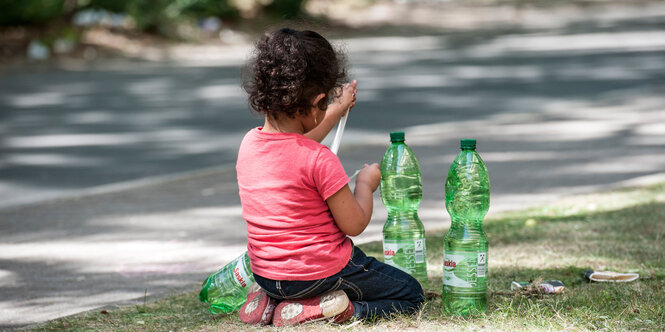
point(622, 230)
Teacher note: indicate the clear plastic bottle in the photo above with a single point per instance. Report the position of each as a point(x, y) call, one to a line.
point(401, 192)
point(465, 245)
point(226, 289)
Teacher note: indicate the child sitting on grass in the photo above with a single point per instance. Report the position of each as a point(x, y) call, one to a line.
point(296, 199)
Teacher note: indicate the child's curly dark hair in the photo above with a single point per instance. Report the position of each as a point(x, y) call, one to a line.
point(289, 69)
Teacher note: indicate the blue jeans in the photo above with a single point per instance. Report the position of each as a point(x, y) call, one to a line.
point(376, 289)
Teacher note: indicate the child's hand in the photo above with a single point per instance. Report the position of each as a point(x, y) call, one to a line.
point(345, 102)
point(370, 175)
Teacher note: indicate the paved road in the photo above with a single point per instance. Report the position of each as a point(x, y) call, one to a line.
point(141, 154)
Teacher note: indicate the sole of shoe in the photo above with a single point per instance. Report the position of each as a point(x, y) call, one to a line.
point(326, 306)
point(259, 307)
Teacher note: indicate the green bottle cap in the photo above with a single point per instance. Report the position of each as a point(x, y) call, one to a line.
point(397, 136)
point(468, 144)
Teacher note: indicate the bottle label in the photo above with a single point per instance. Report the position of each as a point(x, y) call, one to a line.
point(404, 254)
point(482, 264)
point(465, 269)
point(240, 275)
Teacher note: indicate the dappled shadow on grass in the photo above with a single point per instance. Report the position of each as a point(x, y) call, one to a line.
point(622, 231)
point(618, 231)
point(178, 312)
point(582, 305)
point(633, 235)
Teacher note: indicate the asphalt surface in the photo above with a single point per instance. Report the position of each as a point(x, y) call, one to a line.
point(117, 178)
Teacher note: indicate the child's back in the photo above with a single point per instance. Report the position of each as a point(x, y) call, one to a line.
point(284, 180)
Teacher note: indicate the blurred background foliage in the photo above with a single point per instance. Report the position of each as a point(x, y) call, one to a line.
point(28, 12)
point(147, 15)
point(41, 29)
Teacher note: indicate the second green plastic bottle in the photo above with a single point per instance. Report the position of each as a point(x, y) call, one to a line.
point(465, 245)
point(401, 192)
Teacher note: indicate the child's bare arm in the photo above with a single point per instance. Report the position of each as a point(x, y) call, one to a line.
point(352, 212)
point(335, 111)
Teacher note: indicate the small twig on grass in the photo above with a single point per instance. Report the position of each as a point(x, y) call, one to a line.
point(352, 325)
point(143, 309)
point(432, 294)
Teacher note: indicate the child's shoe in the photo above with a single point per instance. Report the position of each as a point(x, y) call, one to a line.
point(259, 307)
point(334, 306)
point(345, 315)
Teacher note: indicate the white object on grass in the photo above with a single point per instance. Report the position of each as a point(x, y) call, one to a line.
point(609, 276)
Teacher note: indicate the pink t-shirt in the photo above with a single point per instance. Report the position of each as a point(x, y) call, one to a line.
point(284, 180)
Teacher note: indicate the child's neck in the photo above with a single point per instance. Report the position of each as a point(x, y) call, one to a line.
point(284, 125)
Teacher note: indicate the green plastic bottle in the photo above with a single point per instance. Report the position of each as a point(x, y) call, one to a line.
point(465, 245)
point(226, 289)
point(401, 192)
